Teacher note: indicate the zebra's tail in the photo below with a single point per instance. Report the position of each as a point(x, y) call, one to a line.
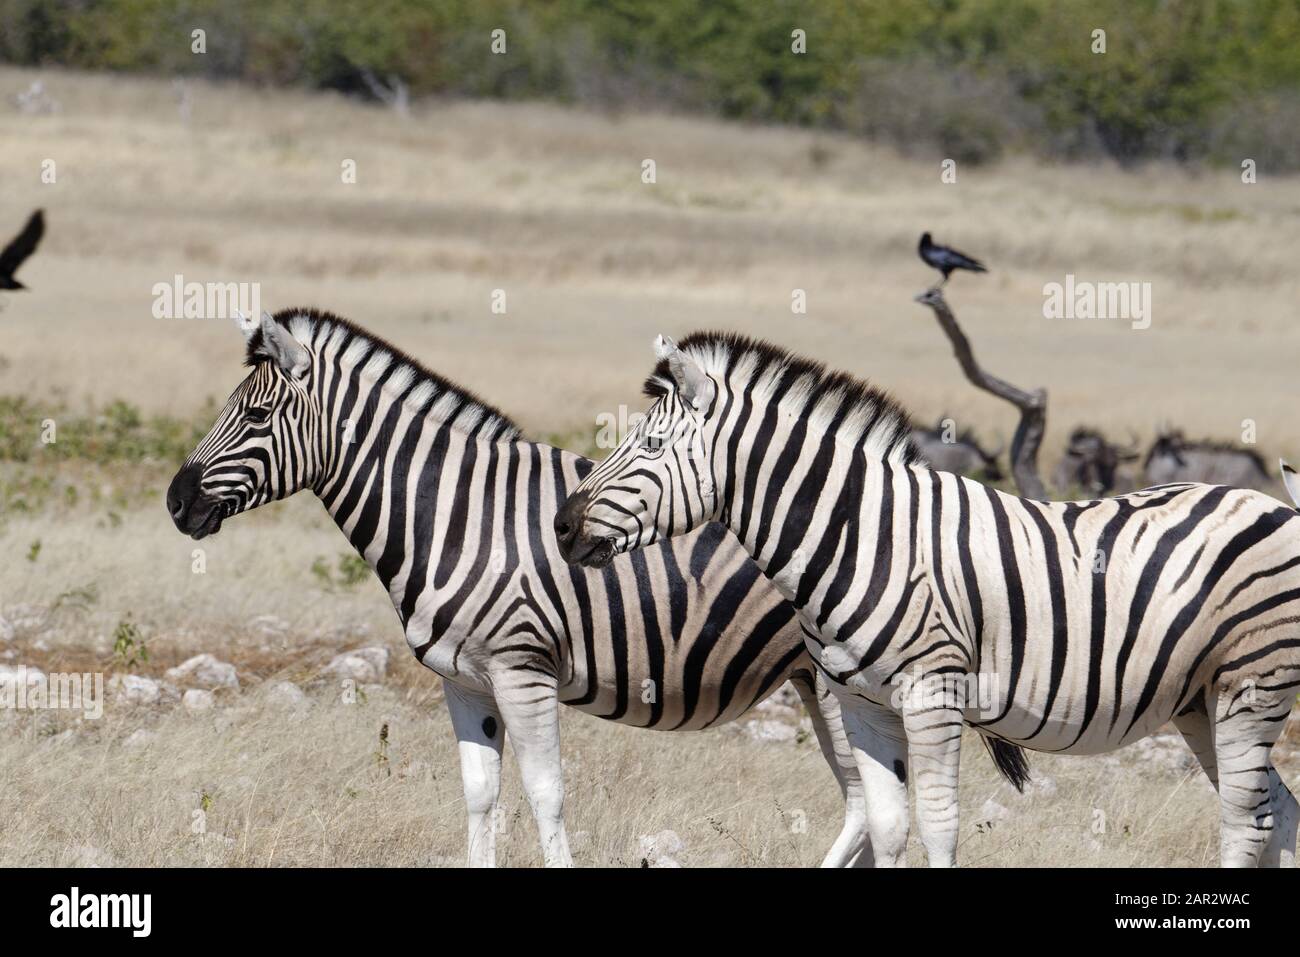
point(1010, 761)
point(1291, 481)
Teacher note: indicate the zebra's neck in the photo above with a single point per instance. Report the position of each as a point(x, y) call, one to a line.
point(402, 448)
point(801, 509)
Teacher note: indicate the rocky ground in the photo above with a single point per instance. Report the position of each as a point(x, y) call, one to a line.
point(282, 751)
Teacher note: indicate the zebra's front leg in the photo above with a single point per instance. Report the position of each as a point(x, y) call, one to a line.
point(934, 745)
point(477, 723)
point(879, 745)
point(530, 705)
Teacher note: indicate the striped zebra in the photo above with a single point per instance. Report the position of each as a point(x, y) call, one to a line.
point(453, 511)
point(930, 601)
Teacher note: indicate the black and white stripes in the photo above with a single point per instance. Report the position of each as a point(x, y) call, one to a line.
point(453, 511)
point(1082, 626)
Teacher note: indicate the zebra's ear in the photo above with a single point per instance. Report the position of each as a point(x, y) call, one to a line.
point(283, 349)
point(245, 324)
point(692, 384)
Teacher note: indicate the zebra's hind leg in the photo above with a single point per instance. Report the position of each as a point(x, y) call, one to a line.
point(879, 746)
point(1280, 851)
point(934, 743)
point(1249, 719)
point(852, 848)
point(477, 723)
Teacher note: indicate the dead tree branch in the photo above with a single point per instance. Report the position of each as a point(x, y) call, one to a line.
point(396, 94)
point(1032, 405)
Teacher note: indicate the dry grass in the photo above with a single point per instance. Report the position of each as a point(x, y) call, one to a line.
point(546, 204)
point(307, 788)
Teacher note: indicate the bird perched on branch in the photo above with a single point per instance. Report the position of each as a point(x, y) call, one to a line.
point(946, 260)
point(22, 246)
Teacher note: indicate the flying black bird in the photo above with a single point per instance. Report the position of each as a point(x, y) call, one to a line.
point(23, 245)
point(946, 260)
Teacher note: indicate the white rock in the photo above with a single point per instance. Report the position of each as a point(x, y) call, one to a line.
point(785, 695)
point(268, 625)
point(771, 708)
point(763, 729)
point(423, 771)
point(198, 699)
point(658, 850)
point(286, 694)
point(6, 629)
point(993, 811)
point(349, 631)
point(1042, 787)
point(1163, 751)
point(139, 738)
point(361, 665)
point(87, 855)
point(28, 618)
point(135, 689)
point(206, 672)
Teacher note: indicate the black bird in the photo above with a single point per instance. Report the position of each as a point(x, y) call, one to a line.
point(23, 245)
point(946, 260)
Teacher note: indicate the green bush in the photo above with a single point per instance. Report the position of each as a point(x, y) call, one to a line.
point(119, 433)
point(1172, 72)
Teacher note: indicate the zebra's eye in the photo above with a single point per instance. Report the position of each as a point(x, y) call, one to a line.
point(653, 443)
point(257, 415)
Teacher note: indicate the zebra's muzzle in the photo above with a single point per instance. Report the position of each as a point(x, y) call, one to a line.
point(208, 524)
point(598, 553)
point(576, 545)
point(194, 513)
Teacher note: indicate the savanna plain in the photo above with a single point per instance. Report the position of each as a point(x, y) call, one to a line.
point(451, 204)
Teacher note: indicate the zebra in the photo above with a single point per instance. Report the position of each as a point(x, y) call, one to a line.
point(929, 601)
point(452, 510)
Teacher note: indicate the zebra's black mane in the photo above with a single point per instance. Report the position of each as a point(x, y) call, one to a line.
point(465, 405)
point(860, 412)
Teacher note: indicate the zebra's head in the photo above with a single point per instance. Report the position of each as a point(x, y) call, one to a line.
point(260, 448)
point(660, 481)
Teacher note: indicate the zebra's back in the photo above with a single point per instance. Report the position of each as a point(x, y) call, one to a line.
point(1102, 620)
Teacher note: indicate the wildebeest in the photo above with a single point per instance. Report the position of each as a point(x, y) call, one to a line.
point(1091, 464)
point(959, 452)
point(1173, 458)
